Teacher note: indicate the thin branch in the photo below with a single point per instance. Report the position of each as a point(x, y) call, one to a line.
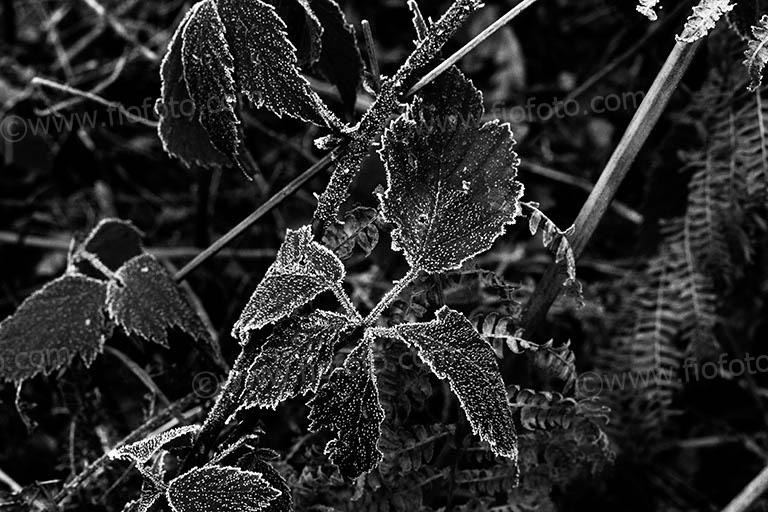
point(246, 223)
point(93, 97)
point(594, 209)
point(750, 493)
point(373, 61)
point(10, 482)
point(61, 243)
point(139, 372)
point(474, 43)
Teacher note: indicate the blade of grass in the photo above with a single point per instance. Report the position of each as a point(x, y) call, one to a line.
point(613, 175)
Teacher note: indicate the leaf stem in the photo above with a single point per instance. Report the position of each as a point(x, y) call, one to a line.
point(390, 297)
point(474, 43)
point(97, 264)
point(613, 175)
point(346, 302)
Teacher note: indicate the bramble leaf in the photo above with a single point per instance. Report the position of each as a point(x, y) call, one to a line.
point(302, 27)
point(451, 181)
point(756, 54)
point(179, 129)
point(284, 502)
point(302, 270)
point(145, 301)
point(348, 405)
point(63, 318)
point(455, 351)
point(142, 451)
point(266, 63)
point(113, 242)
point(208, 72)
point(340, 60)
point(704, 18)
point(147, 500)
point(294, 359)
point(220, 489)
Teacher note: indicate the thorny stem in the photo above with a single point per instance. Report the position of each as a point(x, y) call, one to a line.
point(386, 104)
point(602, 194)
point(371, 123)
point(474, 43)
point(225, 406)
point(390, 297)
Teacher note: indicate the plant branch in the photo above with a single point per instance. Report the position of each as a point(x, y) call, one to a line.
point(385, 106)
point(95, 98)
point(613, 175)
point(262, 210)
point(390, 297)
point(474, 43)
point(750, 493)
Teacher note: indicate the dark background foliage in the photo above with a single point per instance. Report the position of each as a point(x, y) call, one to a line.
point(60, 181)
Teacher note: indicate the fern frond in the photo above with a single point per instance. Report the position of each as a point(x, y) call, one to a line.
point(756, 54)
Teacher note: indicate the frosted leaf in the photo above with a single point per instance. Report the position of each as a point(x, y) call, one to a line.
point(147, 500)
point(646, 8)
point(348, 405)
point(302, 27)
point(145, 300)
point(255, 462)
point(359, 228)
point(220, 489)
point(266, 63)
point(704, 18)
point(179, 129)
point(454, 350)
point(113, 242)
point(208, 72)
point(142, 451)
point(451, 181)
point(756, 54)
point(62, 319)
point(340, 60)
point(302, 270)
point(294, 359)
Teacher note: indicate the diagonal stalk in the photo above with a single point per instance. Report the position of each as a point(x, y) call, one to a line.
point(613, 175)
